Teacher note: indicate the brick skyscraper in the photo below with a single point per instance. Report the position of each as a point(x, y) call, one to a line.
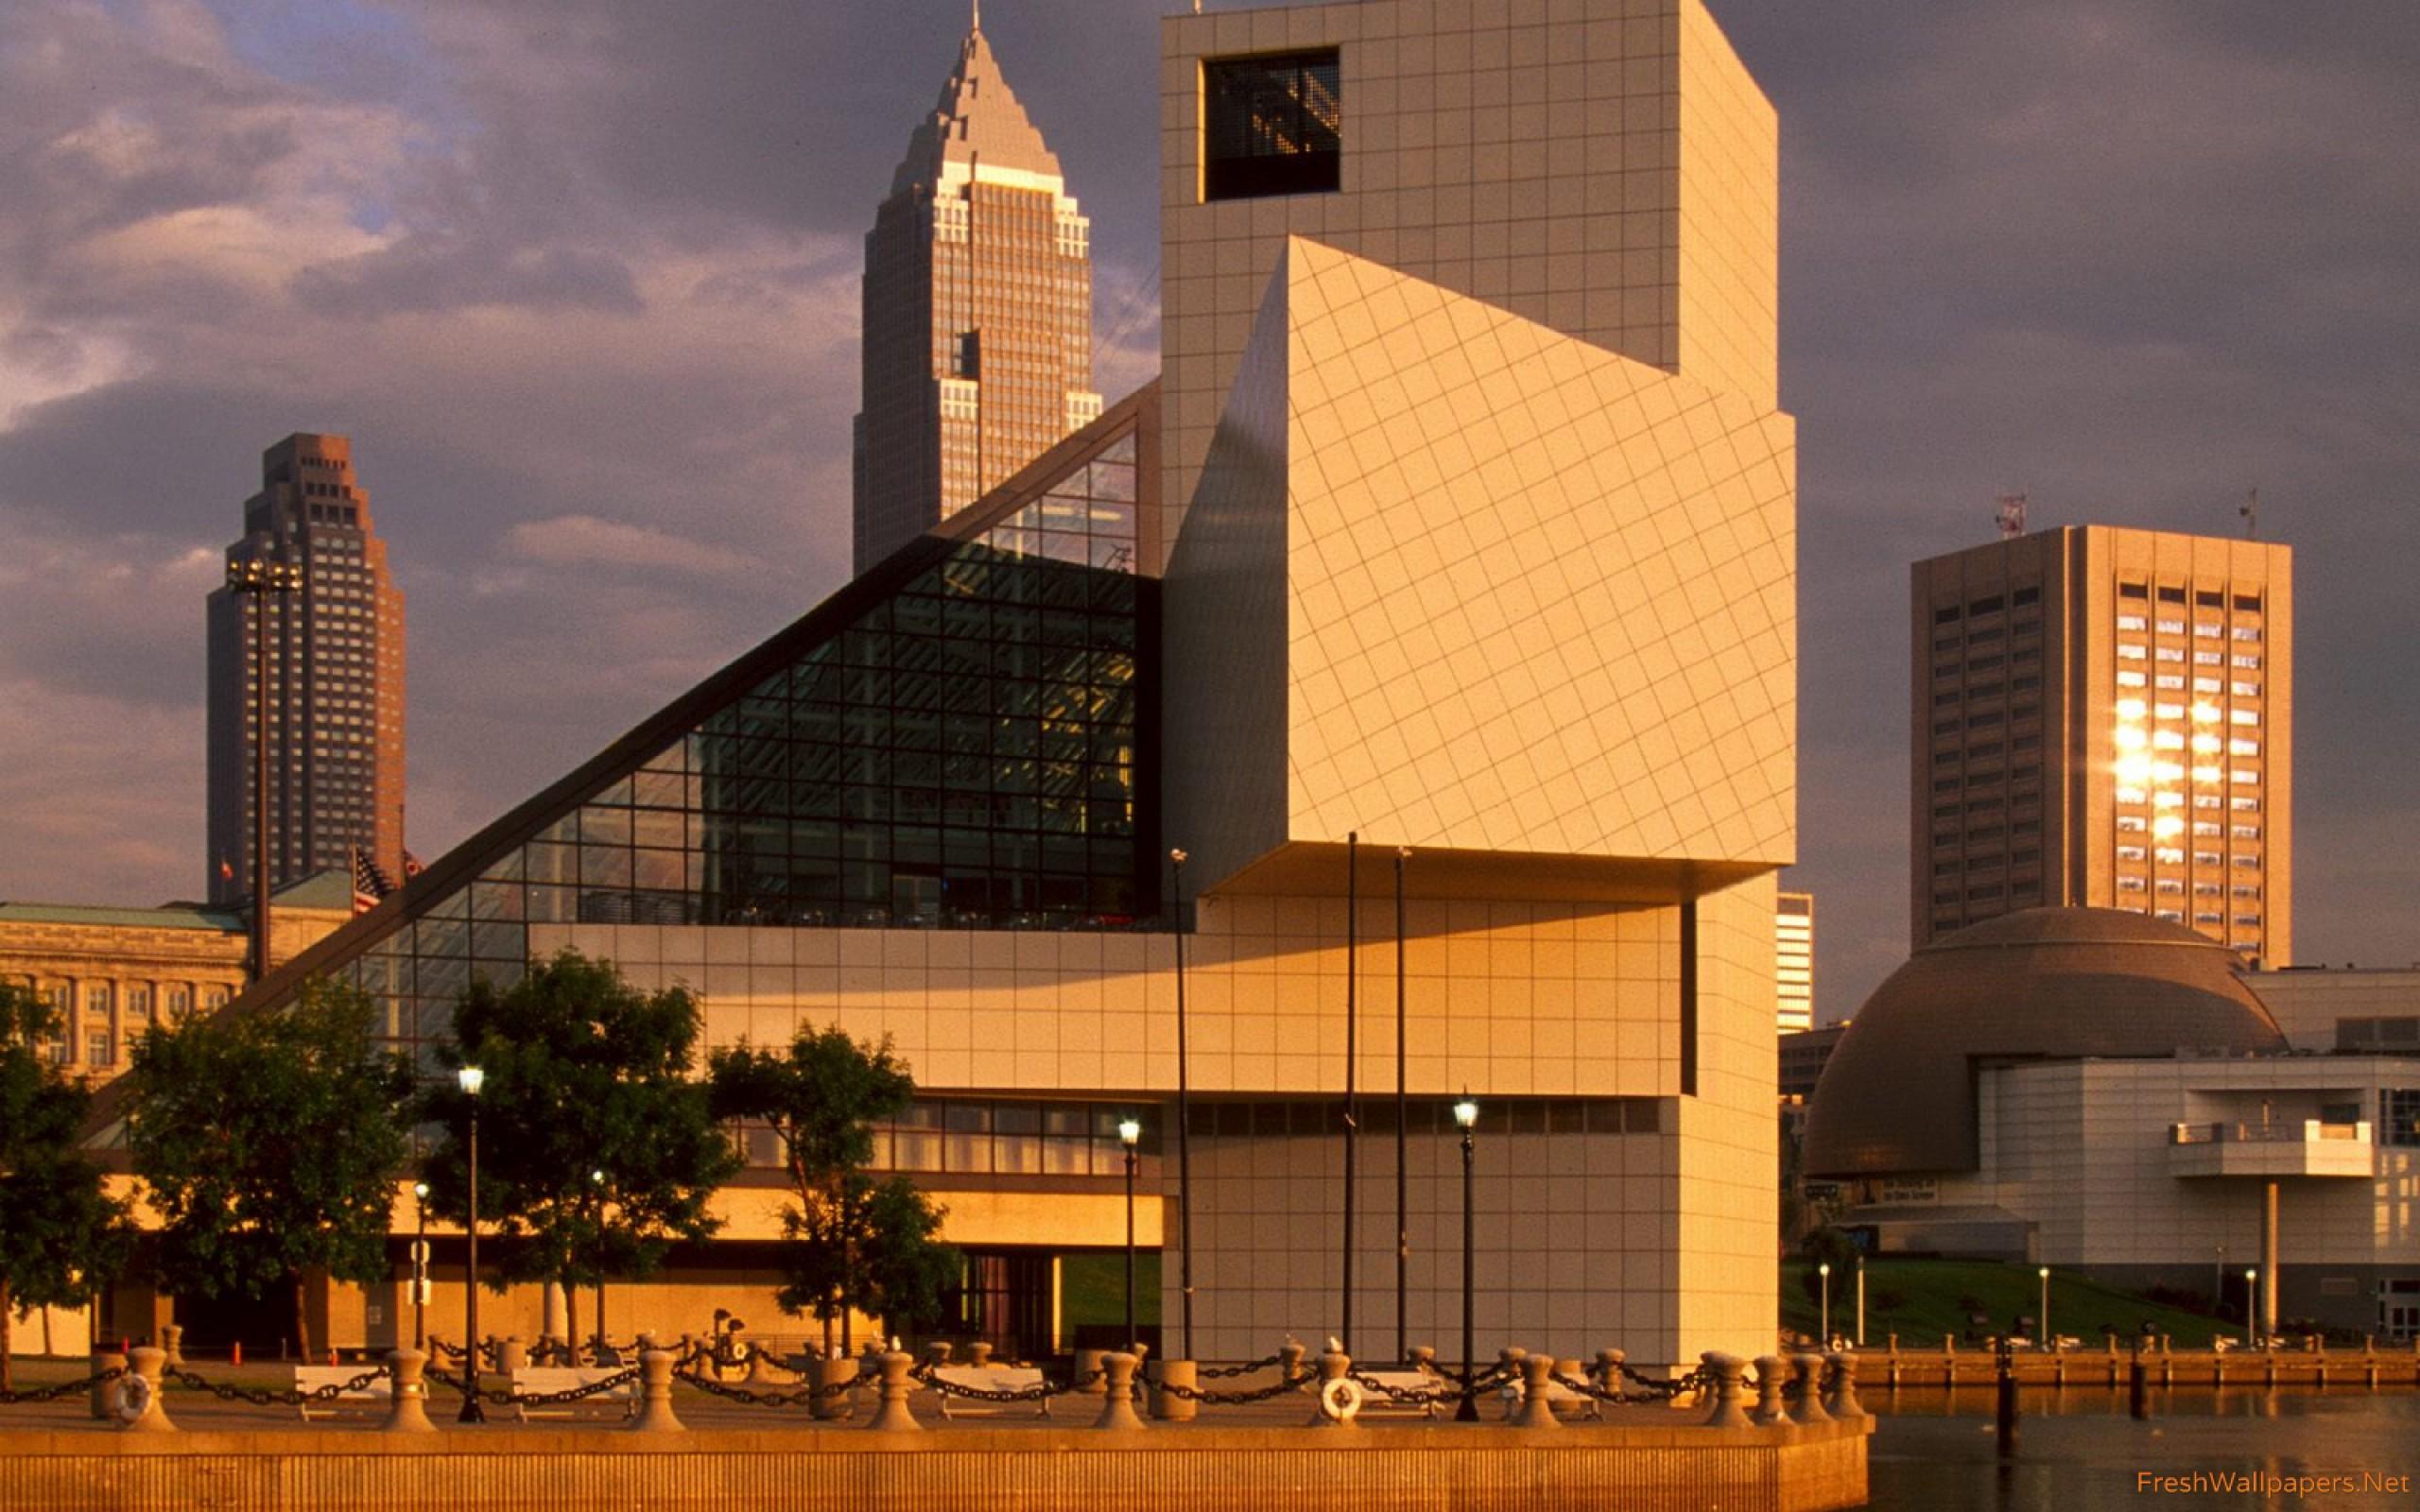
point(977, 332)
point(2105, 719)
point(336, 679)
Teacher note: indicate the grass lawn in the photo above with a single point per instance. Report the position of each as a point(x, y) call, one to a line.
point(1093, 1288)
point(1923, 1299)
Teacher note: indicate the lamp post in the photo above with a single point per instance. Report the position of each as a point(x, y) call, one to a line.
point(1403, 1122)
point(597, 1182)
point(2046, 1334)
point(1130, 1133)
point(1466, 1115)
point(260, 578)
point(1184, 1134)
point(2251, 1305)
point(471, 1078)
point(1824, 1272)
point(1860, 1301)
point(420, 1266)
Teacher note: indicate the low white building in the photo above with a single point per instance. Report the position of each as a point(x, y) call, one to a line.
point(2096, 1091)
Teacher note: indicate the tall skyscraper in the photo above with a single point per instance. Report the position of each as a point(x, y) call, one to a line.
point(1793, 961)
point(978, 325)
point(2104, 718)
point(335, 668)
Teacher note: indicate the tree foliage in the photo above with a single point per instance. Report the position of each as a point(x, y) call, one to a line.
point(599, 1148)
point(269, 1144)
point(60, 1232)
point(851, 1243)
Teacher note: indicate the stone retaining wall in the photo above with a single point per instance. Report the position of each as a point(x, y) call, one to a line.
point(1782, 1469)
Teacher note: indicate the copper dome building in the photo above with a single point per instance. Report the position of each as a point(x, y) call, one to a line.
point(1897, 1096)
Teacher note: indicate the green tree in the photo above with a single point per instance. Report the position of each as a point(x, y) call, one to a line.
point(60, 1232)
point(269, 1144)
point(598, 1146)
point(852, 1244)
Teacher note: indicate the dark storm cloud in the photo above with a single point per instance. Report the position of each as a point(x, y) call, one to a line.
point(580, 280)
point(2133, 260)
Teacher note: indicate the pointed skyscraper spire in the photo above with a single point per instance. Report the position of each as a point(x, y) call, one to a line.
point(978, 310)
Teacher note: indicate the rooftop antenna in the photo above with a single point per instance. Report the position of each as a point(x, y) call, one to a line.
point(2011, 517)
point(2250, 510)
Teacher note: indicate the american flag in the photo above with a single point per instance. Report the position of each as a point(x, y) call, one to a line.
point(371, 884)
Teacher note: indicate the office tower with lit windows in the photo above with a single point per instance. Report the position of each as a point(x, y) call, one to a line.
point(1793, 961)
point(978, 323)
point(336, 667)
point(2104, 718)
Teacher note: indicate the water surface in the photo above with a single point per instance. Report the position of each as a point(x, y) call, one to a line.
point(2079, 1451)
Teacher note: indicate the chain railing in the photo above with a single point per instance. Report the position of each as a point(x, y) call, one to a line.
point(65, 1388)
point(1228, 1372)
point(929, 1374)
point(1283, 1386)
point(800, 1397)
point(1447, 1389)
point(270, 1396)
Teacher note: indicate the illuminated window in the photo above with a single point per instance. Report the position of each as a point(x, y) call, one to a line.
point(2131, 679)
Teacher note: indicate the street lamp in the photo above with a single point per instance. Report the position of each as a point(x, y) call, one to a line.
point(2250, 1303)
point(1130, 1133)
point(420, 1266)
point(1861, 1300)
point(257, 579)
point(1466, 1115)
point(471, 1078)
point(1824, 1290)
point(596, 1181)
point(2046, 1334)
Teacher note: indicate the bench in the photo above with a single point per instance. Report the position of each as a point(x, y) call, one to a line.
point(544, 1381)
point(309, 1377)
point(987, 1378)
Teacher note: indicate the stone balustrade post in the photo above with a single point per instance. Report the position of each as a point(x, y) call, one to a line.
point(1728, 1369)
point(1117, 1394)
point(103, 1391)
point(148, 1362)
point(1536, 1386)
point(1092, 1362)
point(1290, 1359)
point(1334, 1365)
point(655, 1384)
point(408, 1392)
point(1423, 1359)
point(1806, 1405)
point(1843, 1401)
point(1165, 1404)
point(1608, 1371)
point(1769, 1408)
point(172, 1339)
point(892, 1417)
point(513, 1355)
point(760, 1367)
point(978, 1354)
point(829, 1405)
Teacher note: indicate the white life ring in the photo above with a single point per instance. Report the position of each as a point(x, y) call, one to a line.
point(1339, 1399)
point(130, 1397)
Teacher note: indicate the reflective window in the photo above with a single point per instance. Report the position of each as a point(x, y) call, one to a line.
point(1272, 124)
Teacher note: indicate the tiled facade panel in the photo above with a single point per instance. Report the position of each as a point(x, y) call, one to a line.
point(1540, 597)
point(1573, 1241)
point(1516, 1000)
point(1729, 1145)
point(1529, 154)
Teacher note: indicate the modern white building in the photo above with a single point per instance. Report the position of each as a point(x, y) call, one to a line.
point(1463, 536)
point(2100, 1092)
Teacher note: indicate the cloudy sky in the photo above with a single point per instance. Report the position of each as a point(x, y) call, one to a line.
point(581, 284)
